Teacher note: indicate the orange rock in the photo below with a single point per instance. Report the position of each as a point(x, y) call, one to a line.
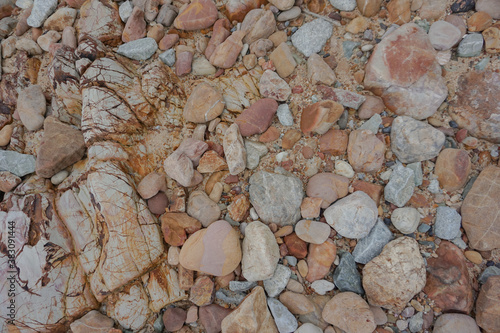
point(452, 168)
point(199, 14)
point(479, 21)
point(369, 8)
point(333, 142)
point(239, 207)
point(290, 138)
point(310, 207)
point(211, 162)
point(374, 191)
point(175, 227)
point(283, 60)
point(296, 246)
point(320, 117)
point(399, 11)
point(270, 135)
point(320, 260)
point(226, 53)
point(202, 292)
point(237, 9)
point(365, 151)
point(492, 40)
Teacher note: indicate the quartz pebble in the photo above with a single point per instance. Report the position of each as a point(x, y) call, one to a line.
point(312, 36)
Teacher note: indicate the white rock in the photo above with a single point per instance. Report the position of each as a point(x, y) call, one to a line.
point(40, 12)
point(344, 169)
point(234, 149)
point(59, 177)
point(405, 219)
point(321, 287)
point(260, 252)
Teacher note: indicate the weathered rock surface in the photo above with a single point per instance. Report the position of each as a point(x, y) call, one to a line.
point(371, 246)
point(455, 322)
point(312, 36)
point(260, 252)
point(488, 305)
point(349, 312)
point(101, 19)
point(204, 104)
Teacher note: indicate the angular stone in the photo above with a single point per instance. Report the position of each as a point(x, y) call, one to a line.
point(373, 190)
point(16, 163)
point(101, 19)
point(447, 224)
point(349, 312)
point(237, 9)
point(296, 246)
point(202, 208)
point(365, 151)
point(312, 36)
point(260, 252)
point(399, 11)
point(452, 168)
point(327, 186)
point(401, 185)
point(199, 14)
point(334, 142)
point(211, 162)
point(488, 305)
point(258, 23)
point(318, 71)
point(167, 15)
point(41, 11)
point(320, 260)
point(226, 53)
point(320, 117)
point(238, 209)
point(255, 150)
point(455, 322)
point(479, 21)
point(272, 86)
point(176, 226)
point(62, 18)
point(277, 283)
point(258, 117)
point(312, 232)
point(284, 319)
point(202, 292)
point(211, 317)
point(346, 276)
point(448, 280)
point(8, 181)
point(94, 321)
point(135, 27)
point(487, 273)
point(392, 279)
point(345, 97)
point(371, 106)
point(492, 40)
point(283, 60)
point(371, 246)
point(139, 49)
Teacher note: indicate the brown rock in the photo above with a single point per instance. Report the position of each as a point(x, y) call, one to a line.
point(156, 32)
point(492, 40)
point(298, 304)
point(252, 315)
point(61, 146)
point(175, 227)
point(185, 277)
point(258, 23)
point(278, 37)
point(257, 118)
point(173, 318)
point(270, 135)
point(211, 162)
point(261, 46)
point(310, 207)
point(220, 32)
point(399, 11)
point(203, 291)
point(488, 305)
point(320, 260)
point(283, 60)
point(357, 25)
point(239, 207)
point(158, 203)
point(369, 8)
point(75, 3)
point(211, 317)
point(374, 191)
point(168, 41)
point(350, 312)
point(199, 14)
point(320, 117)
point(458, 22)
point(183, 63)
point(6, 134)
point(100, 19)
point(372, 105)
point(474, 257)
point(479, 21)
point(6, 8)
point(93, 321)
point(333, 142)
point(480, 217)
point(365, 151)
point(8, 181)
point(237, 9)
point(318, 71)
point(62, 18)
point(151, 184)
point(448, 279)
point(227, 52)
point(290, 138)
point(452, 168)
point(204, 104)
point(296, 246)
point(327, 186)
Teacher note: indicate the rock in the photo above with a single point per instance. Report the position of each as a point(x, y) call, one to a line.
point(255, 150)
point(290, 138)
point(241, 285)
point(251, 315)
point(415, 141)
point(211, 317)
point(31, 47)
point(479, 21)
point(328, 187)
point(176, 226)
point(343, 168)
point(16, 163)
point(489, 6)
point(488, 305)
point(167, 15)
point(312, 36)
point(168, 57)
point(258, 23)
point(346, 276)
point(452, 168)
point(238, 9)
point(47, 39)
point(238, 209)
point(183, 63)
point(447, 224)
point(344, 5)
point(283, 60)
point(404, 92)
point(199, 14)
point(474, 257)
point(479, 218)
point(125, 10)
point(40, 12)
point(460, 6)
point(349, 312)
point(357, 25)
point(290, 14)
point(369, 8)
point(399, 11)
point(168, 41)
point(226, 53)
point(22, 24)
point(277, 283)
point(204, 104)
point(202, 292)
point(31, 107)
point(202, 208)
point(333, 142)
point(470, 46)
point(345, 97)
point(296, 246)
point(282, 4)
point(401, 185)
point(320, 117)
point(8, 181)
point(276, 198)
point(372, 124)
point(173, 318)
point(151, 185)
point(373, 190)
point(365, 151)
point(61, 146)
point(214, 250)
point(353, 216)
point(260, 252)
point(201, 66)
point(443, 35)
point(140, 49)
point(492, 40)
point(62, 18)
point(477, 109)
point(272, 86)
point(312, 232)
point(321, 287)
point(234, 149)
point(448, 279)
point(101, 19)
point(391, 279)
point(309, 328)
point(455, 322)
point(372, 105)
point(296, 303)
point(318, 70)
point(211, 162)
point(284, 319)
point(371, 246)
point(487, 273)
point(94, 321)
point(258, 117)
point(179, 165)
point(320, 260)
point(406, 219)
point(135, 27)
point(284, 115)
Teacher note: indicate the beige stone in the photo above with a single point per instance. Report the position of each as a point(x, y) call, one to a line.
point(283, 60)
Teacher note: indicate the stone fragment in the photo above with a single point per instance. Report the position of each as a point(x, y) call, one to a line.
point(346, 276)
point(258, 23)
point(371, 246)
point(93, 320)
point(320, 116)
point(488, 305)
point(62, 18)
point(312, 232)
point(202, 292)
point(31, 47)
point(344, 5)
point(201, 66)
point(283, 60)
point(349, 312)
point(432, 10)
point(183, 64)
point(328, 187)
point(406, 219)
point(31, 107)
point(176, 226)
point(211, 317)
point(204, 104)
point(199, 14)
point(470, 46)
point(373, 190)
point(8, 181)
point(211, 162)
point(234, 150)
point(365, 151)
point(334, 142)
point(312, 36)
point(167, 15)
point(479, 211)
point(320, 260)
point(321, 287)
point(258, 117)
point(401, 185)
point(226, 53)
point(357, 25)
point(202, 208)
point(492, 40)
point(392, 279)
point(48, 39)
point(399, 11)
point(289, 14)
point(255, 150)
point(277, 283)
point(372, 105)
point(238, 209)
point(214, 250)
point(479, 21)
point(448, 279)
point(151, 185)
point(168, 41)
point(273, 86)
point(284, 319)
point(173, 318)
point(125, 10)
point(318, 70)
point(237, 9)
point(369, 8)
point(455, 322)
point(40, 12)
point(101, 19)
point(135, 27)
point(296, 303)
point(345, 97)
point(260, 252)
point(353, 216)
point(447, 224)
point(221, 31)
point(489, 6)
point(139, 49)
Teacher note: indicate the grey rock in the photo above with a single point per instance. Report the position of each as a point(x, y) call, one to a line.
point(40, 12)
point(400, 187)
point(276, 284)
point(424, 227)
point(284, 319)
point(447, 225)
point(321, 287)
point(139, 49)
point(353, 216)
point(348, 46)
point(158, 324)
point(255, 150)
point(241, 285)
point(349, 98)
point(230, 297)
point(346, 276)
point(284, 115)
point(470, 46)
point(489, 271)
point(168, 57)
point(371, 246)
point(292, 261)
point(23, 4)
point(290, 14)
point(372, 124)
point(344, 5)
point(312, 36)
point(167, 15)
point(125, 10)
point(276, 198)
point(16, 163)
point(456, 323)
point(7, 24)
point(417, 172)
point(414, 141)
point(459, 242)
point(434, 186)
point(416, 322)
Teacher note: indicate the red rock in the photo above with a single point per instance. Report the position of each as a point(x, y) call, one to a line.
point(320, 260)
point(296, 246)
point(183, 63)
point(479, 21)
point(310, 207)
point(374, 191)
point(203, 291)
point(211, 317)
point(176, 226)
point(372, 105)
point(226, 53)
point(168, 41)
point(257, 118)
point(365, 151)
point(452, 168)
point(158, 203)
point(320, 117)
point(448, 279)
point(174, 318)
point(135, 27)
point(333, 142)
point(199, 14)
point(488, 305)
point(327, 186)
point(237, 9)
point(239, 207)
point(220, 32)
point(270, 135)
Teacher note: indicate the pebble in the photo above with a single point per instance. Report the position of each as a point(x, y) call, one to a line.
point(241, 285)
point(31, 107)
point(346, 275)
point(369, 247)
point(401, 185)
point(312, 36)
point(173, 319)
point(284, 319)
point(405, 219)
point(321, 287)
point(258, 117)
point(47, 39)
point(312, 232)
point(183, 63)
point(199, 14)
point(344, 5)
point(289, 14)
point(135, 27)
point(29, 46)
point(255, 150)
point(271, 85)
point(444, 35)
point(372, 124)
point(309, 328)
point(488, 272)
point(212, 316)
point(202, 208)
point(349, 312)
point(319, 261)
point(479, 21)
point(470, 46)
point(318, 71)
point(277, 283)
point(452, 168)
point(328, 187)
point(62, 18)
point(417, 172)
point(455, 322)
point(285, 117)
point(167, 15)
point(260, 252)
point(491, 7)
point(320, 117)
point(296, 303)
point(41, 11)
point(125, 10)
point(226, 53)
point(474, 257)
point(202, 67)
point(168, 57)
point(447, 224)
point(140, 49)
point(365, 151)
point(204, 104)
point(343, 168)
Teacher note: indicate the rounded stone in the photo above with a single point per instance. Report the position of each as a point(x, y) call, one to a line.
point(204, 104)
point(405, 219)
point(312, 232)
point(455, 323)
point(350, 312)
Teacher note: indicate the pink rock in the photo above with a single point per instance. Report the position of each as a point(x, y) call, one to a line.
point(174, 318)
point(320, 260)
point(22, 26)
point(261, 46)
point(135, 27)
point(180, 165)
point(203, 291)
point(158, 203)
point(192, 314)
point(220, 32)
point(327, 186)
point(151, 185)
point(258, 117)
point(168, 41)
point(227, 52)
point(199, 14)
point(8, 181)
point(183, 63)
point(273, 86)
point(372, 105)
point(258, 23)
point(69, 37)
point(365, 151)
point(211, 317)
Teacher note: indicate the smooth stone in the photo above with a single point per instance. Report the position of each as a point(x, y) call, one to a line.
point(447, 224)
point(284, 319)
point(344, 5)
point(282, 4)
point(312, 232)
point(167, 15)
point(282, 59)
point(41, 11)
point(365, 151)
point(31, 107)
point(320, 260)
point(204, 104)
point(241, 285)
point(199, 14)
point(47, 39)
point(444, 35)
point(202, 208)
point(271, 85)
point(168, 57)
point(349, 312)
point(405, 219)
point(455, 323)
point(491, 7)
point(321, 287)
point(234, 150)
point(140, 49)
point(62, 18)
point(318, 71)
point(173, 319)
point(258, 117)
point(488, 305)
point(151, 184)
point(312, 36)
point(342, 168)
point(29, 46)
point(309, 328)
point(346, 276)
point(227, 52)
point(369, 8)
point(135, 27)
point(327, 186)
point(470, 46)
point(401, 185)
point(277, 283)
point(285, 117)
point(255, 150)
point(211, 317)
point(371, 246)
point(258, 23)
point(296, 302)
point(289, 14)
point(260, 252)
point(371, 106)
